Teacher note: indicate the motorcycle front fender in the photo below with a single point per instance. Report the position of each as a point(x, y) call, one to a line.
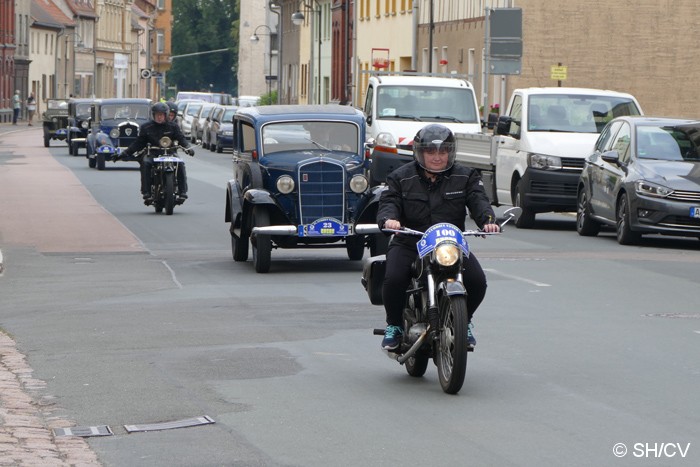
point(451, 288)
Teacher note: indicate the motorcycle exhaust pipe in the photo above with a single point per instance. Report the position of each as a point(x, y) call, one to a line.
point(419, 342)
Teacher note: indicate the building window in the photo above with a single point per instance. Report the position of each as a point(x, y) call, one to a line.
point(160, 42)
point(161, 4)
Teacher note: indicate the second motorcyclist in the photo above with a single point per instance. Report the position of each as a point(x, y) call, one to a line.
point(151, 133)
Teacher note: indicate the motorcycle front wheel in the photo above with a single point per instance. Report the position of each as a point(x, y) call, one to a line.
point(169, 192)
point(451, 355)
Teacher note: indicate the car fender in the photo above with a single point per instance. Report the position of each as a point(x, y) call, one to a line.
point(234, 204)
point(368, 210)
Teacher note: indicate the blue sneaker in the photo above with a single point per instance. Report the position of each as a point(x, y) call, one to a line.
point(392, 337)
point(471, 340)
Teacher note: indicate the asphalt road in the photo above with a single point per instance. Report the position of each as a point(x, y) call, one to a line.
point(582, 343)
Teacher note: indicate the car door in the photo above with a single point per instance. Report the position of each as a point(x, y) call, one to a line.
point(612, 174)
point(594, 168)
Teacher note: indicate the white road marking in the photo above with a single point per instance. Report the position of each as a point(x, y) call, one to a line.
point(518, 278)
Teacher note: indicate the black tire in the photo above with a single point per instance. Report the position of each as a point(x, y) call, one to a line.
point(219, 149)
point(169, 193)
point(74, 149)
point(47, 141)
point(212, 147)
point(451, 354)
point(100, 161)
point(239, 247)
point(355, 246)
point(378, 244)
point(527, 218)
point(585, 225)
point(92, 162)
point(262, 244)
point(625, 235)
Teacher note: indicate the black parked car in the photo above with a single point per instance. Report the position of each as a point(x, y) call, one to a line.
point(55, 120)
point(642, 178)
point(300, 180)
point(114, 125)
point(79, 111)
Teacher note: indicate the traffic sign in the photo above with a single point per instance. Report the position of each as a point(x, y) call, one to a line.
point(558, 72)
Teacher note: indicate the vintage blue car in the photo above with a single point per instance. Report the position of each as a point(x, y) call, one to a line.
point(115, 124)
point(79, 113)
point(300, 180)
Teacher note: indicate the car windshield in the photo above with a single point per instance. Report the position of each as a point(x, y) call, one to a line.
point(323, 135)
point(669, 143)
point(54, 105)
point(206, 111)
point(425, 103)
point(576, 113)
point(192, 109)
point(124, 111)
point(82, 110)
point(228, 115)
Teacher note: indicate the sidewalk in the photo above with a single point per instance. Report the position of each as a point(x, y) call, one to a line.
point(26, 411)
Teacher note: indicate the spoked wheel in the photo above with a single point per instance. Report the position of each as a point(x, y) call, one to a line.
point(169, 192)
point(585, 225)
point(527, 217)
point(355, 246)
point(625, 235)
point(451, 355)
point(262, 244)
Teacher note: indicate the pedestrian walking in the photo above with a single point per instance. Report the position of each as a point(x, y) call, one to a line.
point(16, 106)
point(31, 107)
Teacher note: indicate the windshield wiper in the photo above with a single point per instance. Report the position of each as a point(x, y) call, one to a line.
point(317, 144)
point(403, 117)
point(443, 117)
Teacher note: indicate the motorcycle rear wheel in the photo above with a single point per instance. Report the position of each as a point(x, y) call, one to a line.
point(169, 192)
point(451, 355)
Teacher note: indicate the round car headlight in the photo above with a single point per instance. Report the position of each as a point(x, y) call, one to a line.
point(285, 184)
point(54, 119)
point(358, 184)
point(446, 254)
point(84, 125)
point(114, 133)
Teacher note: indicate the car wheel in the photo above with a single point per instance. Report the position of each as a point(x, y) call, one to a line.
point(355, 246)
point(219, 149)
point(625, 235)
point(239, 247)
point(74, 148)
point(212, 147)
point(585, 225)
point(92, 162)
point(47, 141)
point(527, 218)
point(100, 158)
point(262, 244)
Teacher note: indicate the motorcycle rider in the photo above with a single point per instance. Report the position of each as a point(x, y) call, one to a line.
point(431, 190)
point(172, 115)
point(151, 133)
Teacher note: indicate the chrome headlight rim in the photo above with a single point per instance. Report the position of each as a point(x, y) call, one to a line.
point(285, 184)
point(84, 125)
point(359, 184)
point(114, 133)
point(165, 142)
point(446, 254)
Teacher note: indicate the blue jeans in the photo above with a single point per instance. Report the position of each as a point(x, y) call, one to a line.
point(15, 116)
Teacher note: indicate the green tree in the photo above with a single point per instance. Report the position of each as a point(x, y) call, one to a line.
point(201, 26)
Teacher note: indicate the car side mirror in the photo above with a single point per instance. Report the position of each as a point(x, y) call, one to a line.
point(611, 157)
point(503, 125)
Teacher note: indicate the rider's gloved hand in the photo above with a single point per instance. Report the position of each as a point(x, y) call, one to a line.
point(491, 228)
point(189, 151)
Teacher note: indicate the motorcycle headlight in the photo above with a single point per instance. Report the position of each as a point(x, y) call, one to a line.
point(285, 184)
point(542, 162)
point(646, 188)
point(114, 133)
point(84, 125)
point(358, 184)
point(446, 254)
point(165, 142)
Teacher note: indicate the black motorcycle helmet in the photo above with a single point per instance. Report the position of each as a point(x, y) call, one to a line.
point(434, 136)
point(172, 106)
point(159, 107)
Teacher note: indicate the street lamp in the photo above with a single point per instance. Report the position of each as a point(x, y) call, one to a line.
point(78, 44)
point(298, 19)
point(254, 39)
point(274, 6)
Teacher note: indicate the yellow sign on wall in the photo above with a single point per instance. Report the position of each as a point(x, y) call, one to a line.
point(558, 72)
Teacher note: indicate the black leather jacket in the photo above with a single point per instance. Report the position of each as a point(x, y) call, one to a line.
point(152, 132)
point(418, 203)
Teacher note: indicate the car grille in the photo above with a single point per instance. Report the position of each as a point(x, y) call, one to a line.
point(545, 188)
point(321, 191)
point(128, 134)
point(680, 222)
point(679, 195)
point(572, 164)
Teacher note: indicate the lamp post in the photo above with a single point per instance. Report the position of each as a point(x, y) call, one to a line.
point(298, 20)
point(254, 39)
point(274, 6)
